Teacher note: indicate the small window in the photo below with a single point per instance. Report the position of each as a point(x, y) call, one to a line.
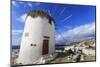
point(33, 44)
point(20, 63)
point(50, 21)
point(26, 34)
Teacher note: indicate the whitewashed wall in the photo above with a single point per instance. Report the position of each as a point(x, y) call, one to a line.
point(36, 28)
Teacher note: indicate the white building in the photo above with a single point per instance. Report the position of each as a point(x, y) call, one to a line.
point(38, 42)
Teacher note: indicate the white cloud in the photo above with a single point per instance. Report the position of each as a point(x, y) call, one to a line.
point(77, 33)
point(17, 31)
point(21, 2)
point(30, 4)
point(22, 18)
point(15, 4)
point(16, 37)
point(37, 4)
point(67, 27)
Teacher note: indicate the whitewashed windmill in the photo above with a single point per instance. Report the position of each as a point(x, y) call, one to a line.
point(38, 41)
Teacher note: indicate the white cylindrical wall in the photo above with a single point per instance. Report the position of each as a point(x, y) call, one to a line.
point(35, 29)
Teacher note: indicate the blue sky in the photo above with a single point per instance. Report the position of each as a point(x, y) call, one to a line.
point(72, 22)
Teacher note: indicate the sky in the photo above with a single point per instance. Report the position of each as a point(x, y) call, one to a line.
point(72, 22)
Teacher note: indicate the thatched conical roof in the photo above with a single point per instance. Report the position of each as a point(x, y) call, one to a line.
point(41, 13)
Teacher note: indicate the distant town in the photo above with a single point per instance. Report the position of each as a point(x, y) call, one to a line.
point(75, 52)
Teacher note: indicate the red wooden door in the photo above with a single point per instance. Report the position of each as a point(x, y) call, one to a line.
point(45, 47)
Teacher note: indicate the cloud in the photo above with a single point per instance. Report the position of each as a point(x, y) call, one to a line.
point(22, 18)
point(78, 33)
point(30, 4)
point(17, 31)
point(15, 4)
point(37, 3)
point(67, 27)
point(16, 37)
point(21, 2)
